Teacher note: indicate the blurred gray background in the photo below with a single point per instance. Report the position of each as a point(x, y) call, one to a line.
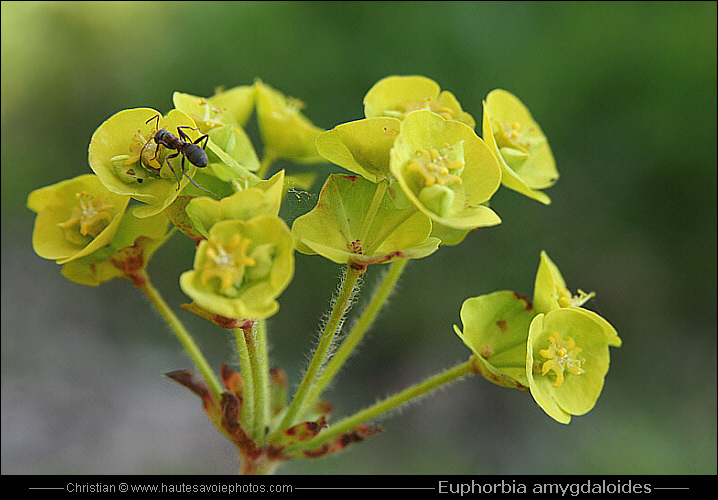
point(626, 93)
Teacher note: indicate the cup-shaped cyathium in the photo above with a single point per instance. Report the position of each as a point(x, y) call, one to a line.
point(242, 267)
point(519, 144)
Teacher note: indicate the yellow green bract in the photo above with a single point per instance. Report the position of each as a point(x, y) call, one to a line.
point(446, 170)
point(551, 293)
point(495, 329)
point(242, 268)
point(230, 152)
point(263, 198)
point(285, 131)
point(567, 360)
point(361, 146)
point(519, 144)
point(229, 107)
point(333, 229)
point(397, 96)
point(75, 218)
point(122, 154)
point(555, 348)
point(136, 239)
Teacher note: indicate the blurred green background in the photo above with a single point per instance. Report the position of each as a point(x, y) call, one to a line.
point(626, 93)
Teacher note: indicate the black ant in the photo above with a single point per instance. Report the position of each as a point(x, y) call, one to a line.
point(194, 153)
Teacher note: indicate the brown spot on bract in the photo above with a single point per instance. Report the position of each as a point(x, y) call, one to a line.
point(502, 325)
point(529, 306)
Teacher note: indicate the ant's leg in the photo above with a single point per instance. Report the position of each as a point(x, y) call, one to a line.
point(182, 134)
point(200, 187)
point(186, 138)
point(167, 159)
point(157, 125)
point(193, 182)
point(157, 151)
point(205, 138)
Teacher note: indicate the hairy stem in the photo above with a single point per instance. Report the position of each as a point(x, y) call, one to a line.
point(260, 368)
point(245, 365)
point(182, 334)
point(356, 334)
point(318, 359)
point(371, 413)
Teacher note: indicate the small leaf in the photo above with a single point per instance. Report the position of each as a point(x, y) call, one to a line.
point(217, 319)
point(232, 380)
point(231, 405)
point(357, 435)
point(198, 387)
point(300, 432)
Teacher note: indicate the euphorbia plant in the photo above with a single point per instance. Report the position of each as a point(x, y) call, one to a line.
point(420, 178)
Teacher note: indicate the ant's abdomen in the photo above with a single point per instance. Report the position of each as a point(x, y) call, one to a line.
point(196, 155)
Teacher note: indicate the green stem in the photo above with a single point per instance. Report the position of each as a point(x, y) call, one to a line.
point(267, 160)
point(319, 357)
point(356, 334)
point(245, 365)
point(260, 366)
point(379, 193)
point(260, 401)
point(371, 413)
point(182, 334)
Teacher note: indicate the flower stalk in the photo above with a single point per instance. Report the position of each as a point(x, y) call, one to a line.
point(356, 334)
point(260, 376)
point(341, 304)
point(181, 333)
point(388, 404)
point(245, 365)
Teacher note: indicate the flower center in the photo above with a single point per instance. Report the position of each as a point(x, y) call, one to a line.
point(438, 167)
point(429, 103)
point(90, 218)
point(561, 356)
point(226, 262)
point(565, 299)
point(513, 135)
point(145, 151)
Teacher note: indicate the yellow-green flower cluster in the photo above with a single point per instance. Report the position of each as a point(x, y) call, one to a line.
point(85, 228)
point(75, 218)
point(417, 153)
point(247, 258)
point(554, 348)
point(242, 267)
point(419, 177)
point(169, 164)
point(519, 144)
